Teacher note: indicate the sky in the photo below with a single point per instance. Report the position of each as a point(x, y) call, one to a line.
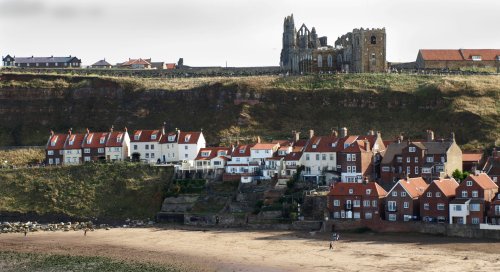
point(239, 32)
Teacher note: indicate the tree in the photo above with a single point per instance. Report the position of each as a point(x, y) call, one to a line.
point(459, 175)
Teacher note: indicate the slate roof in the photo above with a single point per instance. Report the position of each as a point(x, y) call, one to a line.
point(395, 148)
point(46, 59)
point(102, 62)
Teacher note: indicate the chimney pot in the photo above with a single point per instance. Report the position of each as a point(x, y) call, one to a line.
point(311, 133)
point(343, 132)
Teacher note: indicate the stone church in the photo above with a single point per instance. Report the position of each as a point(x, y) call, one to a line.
point(359, 51)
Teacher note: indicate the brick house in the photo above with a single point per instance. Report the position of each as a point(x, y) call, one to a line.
point(430, 159)
point(473, 197)
point(402, 203)
point(455, 59)
point(73, 148)
point(435, 200)
point(492, 166)
point(54, 150)
point(494, 210)
point(472, 161)
point(356, 201)
point(94, 146)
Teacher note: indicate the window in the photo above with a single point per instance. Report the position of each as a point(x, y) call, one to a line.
point(50, 152)
point(353, 157)
point(353, 169)
point(136, 137)
point(374, 203)
point(399, 159)
point(323, 157)
point(330, 61)
point(317, 157)
point(406, 205)
point(217, 163)
point(320, 61)
point(336, 202)
point(147, 155)
point(336, 215)
point(152, 147)
point(408, 170)
point(348, 169)
point(51, 161)
point(100, 150)
point(395, 193)
point(475, 207)
point(438, 194)
point(391, 206)
point(368, 215)
point(366, 203)
point(147, 147)
point(416, 159)
point(416, 170)
point(464, 193)
point(185, 147)
point(426, 170)
point(153, 136)
point(457, 208)
point(426, 206)
point(475, 194)
point(475, 220)
point(87, 159)
point(331, 157)
point(357, 215)
point(357, 203)
point(102, 140)
point(152, 155)
point(351, 191)
point(185, 156)
point(348, 157)
point(135, 147)
point(403, 194)
point(440, 207)
point(385, 169)
point(368, 191)
point(392, 217)
point(307, 157)
point(408, 159)
point(429, 194)
point(430, 159)
point(476, 58)
point(373, 40)
point(469, 183)
point(412, 149)
point(86, 150)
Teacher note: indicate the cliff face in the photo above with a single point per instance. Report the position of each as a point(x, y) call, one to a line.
point(32, 105)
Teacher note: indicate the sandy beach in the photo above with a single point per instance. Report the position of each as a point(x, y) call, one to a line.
point(237, 250)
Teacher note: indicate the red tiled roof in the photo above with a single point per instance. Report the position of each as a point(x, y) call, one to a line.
point(189, 137)
point(56, 141)
point(166, 138)
point(322, 144)
point(242, 151)
point(293, 156)
point(342, 189)
point(213, 152)
point(113, 139)
point(170, 65)
point(136, 61)
point(414, 186)
point(458, 54)
point(95, 140)
point(472, 157)
point(264, 146)
point(145, 135)
point(482, 180)
point(74, 141)
point(447, 186)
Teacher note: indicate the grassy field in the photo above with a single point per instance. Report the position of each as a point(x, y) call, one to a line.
point(28, 262)
point(21, 157)
point(114, 191)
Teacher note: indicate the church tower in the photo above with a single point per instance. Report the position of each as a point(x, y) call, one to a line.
point(289, 42)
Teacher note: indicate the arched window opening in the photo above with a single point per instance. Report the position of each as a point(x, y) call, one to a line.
point(320, 61)
point(374, 40)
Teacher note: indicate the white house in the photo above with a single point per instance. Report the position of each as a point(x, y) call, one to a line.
point(189, 144)
point(212, 158)
point(118, 146)
point(292, 161)
point(459, 210)
point(259, 152)
point(240, 162)
point(145, 145)
point(73, 149)
point(169, 147)
point(320, 155)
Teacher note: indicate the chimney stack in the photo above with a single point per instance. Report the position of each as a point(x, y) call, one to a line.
point(126, 129)
point(87, 130)
point(335, 133)
point(111, 129)
point(311, 133)
point(295, 136)
point(258, 139)
point(371, 132)
point(70, 131)
point(164, 128)
point(453, 136)
point(343, 132)
point(51, 133)
point(430, 135)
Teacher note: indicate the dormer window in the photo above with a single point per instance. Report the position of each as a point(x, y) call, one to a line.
point(412, 149)
point(205, 153)
point(137, 135)
point(89, 138)
point(242, 151)
point(72, 139)
point(171, 138)
point(222, 153)
point(368, 191)
point(153, 136)
point(314, 146)
point(119, 138)
point(334, 144)
point(476, 58)
point(351, 191)
point(102, 140)
point(54, 141)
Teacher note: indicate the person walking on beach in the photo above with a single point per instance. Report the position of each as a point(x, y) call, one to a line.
point(85, 232)
point(25, 232)
point(331, 245)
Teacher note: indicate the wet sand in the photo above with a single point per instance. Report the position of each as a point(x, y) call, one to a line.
point(239, 250)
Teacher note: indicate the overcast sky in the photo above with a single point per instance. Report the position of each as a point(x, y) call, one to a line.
point(241, 32)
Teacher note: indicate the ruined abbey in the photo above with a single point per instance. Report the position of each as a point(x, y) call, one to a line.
point(359, 51)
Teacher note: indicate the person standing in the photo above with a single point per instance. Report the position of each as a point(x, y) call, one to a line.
point(331, 245)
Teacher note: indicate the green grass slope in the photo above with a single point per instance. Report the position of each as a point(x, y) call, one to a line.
point(113, 191)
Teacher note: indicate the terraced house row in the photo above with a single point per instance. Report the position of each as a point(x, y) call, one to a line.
point(475, 200)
